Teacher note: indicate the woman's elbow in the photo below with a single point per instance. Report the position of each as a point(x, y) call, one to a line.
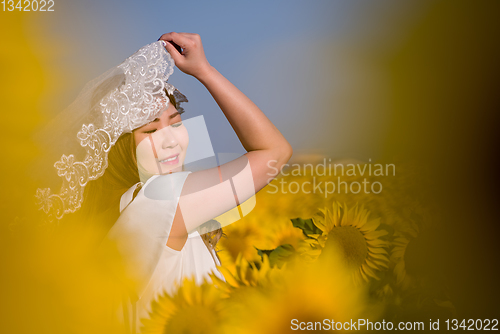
point(286, 152)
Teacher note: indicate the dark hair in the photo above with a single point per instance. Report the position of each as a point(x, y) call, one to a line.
point(101, 199)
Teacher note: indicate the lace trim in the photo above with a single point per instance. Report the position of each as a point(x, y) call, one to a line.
point(136, 102)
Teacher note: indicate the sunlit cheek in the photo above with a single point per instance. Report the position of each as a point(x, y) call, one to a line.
point(179, 132)
point(183, 138)
point(145, 154)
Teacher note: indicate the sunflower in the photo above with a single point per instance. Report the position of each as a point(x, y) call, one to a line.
point(241, 238)
point(308, 293)
point(309, 250)
point(245, 274)
point(400, 243)
point(193, 309)
point(350, 232)
point(402, 238)
point(281, 232)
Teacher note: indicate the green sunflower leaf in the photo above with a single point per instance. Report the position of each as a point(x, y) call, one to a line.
point(281, 255)
point(307, 226)
point(278, 256)
point(261, 252)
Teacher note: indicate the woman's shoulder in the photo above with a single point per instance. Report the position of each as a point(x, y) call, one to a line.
point(128, 196)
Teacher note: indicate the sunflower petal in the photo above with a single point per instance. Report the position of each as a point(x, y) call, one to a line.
point(363, 275)
point(356, 278)
point(362, 218)
point(377, 243)
point(378, 256)
point(397, 254)
point(375, 234)
point(370, 272)
point(377, 250)
point(371, 225)
point(380, 263)
point(401, 242)
point(230, 279)
point(371, 264)
point(400, 272)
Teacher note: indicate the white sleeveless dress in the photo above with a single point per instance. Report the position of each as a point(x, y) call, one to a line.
point(141, 234)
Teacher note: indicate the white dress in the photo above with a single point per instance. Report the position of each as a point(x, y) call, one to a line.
point(141, 235)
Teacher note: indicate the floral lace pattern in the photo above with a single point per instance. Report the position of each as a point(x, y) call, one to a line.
point(137, 101)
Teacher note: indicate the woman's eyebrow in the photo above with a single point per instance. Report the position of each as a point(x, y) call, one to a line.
point(174, 114)
point(171, 116)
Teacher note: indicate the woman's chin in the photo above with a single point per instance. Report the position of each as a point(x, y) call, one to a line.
point(175, 169)
point(147, 173)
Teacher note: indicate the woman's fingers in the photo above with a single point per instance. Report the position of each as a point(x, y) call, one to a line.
point(192, 59)
point(181, 39)
point(174, 53)
point(178, 39)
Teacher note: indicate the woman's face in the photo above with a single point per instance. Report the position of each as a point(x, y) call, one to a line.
point(161, 145)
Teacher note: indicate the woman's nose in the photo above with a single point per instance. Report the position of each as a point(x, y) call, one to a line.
point(168, 139)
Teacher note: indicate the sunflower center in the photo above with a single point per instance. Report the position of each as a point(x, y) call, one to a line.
point(350, 242)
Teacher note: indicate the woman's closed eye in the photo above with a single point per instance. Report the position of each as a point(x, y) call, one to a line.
point(175, 125)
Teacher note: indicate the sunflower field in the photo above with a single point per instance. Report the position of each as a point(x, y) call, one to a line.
point(312, 257)
point(417, 244)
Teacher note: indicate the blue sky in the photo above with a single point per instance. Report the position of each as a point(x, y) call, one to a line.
point(306, 64)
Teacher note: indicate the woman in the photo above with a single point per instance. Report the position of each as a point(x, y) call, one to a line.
point(156, 230)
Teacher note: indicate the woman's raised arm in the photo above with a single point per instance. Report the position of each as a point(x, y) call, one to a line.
point(267, 149)
point(253, 128)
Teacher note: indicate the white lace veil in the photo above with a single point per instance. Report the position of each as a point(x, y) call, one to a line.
point(122, 99)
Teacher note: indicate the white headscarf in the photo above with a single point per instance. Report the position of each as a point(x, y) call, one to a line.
point(122, 99)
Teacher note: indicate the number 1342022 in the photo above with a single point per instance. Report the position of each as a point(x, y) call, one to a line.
point(28, 5)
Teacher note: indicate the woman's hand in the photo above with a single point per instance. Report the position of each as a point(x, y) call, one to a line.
point(192, 60)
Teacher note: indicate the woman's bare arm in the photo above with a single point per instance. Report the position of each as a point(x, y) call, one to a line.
point(267, 149)
point(253, 128)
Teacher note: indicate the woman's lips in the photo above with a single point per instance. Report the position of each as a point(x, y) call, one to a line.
point(173, 160)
